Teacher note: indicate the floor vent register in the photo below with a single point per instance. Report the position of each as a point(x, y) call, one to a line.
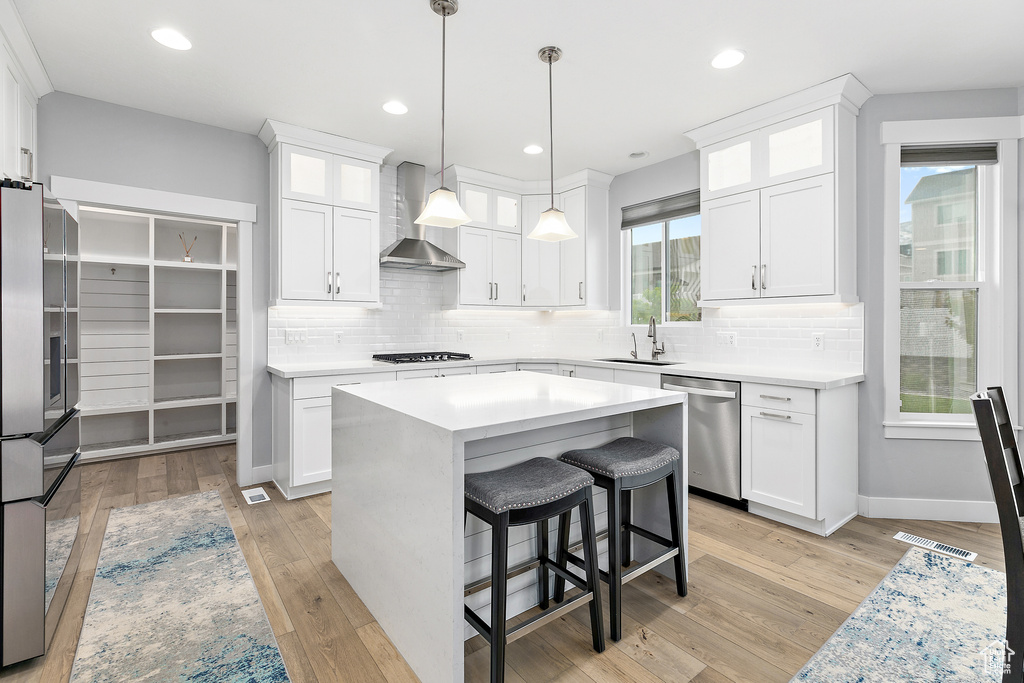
point(936, 546)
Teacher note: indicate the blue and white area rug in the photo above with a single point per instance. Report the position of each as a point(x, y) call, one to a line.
point(173, 600)
point(933, 618)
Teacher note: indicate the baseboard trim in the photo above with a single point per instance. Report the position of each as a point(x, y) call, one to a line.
point(929, 509)
point(262, 474)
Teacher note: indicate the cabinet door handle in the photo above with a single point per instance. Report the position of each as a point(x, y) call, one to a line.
point(495, 291)
point(753, 276)
point(490, 291)
point(27, 154)
point(337, 283)
point(764, 282)
point(776, 416)
point(524, 293)
point(581, 290)
point(329, 290)
point(776, 398)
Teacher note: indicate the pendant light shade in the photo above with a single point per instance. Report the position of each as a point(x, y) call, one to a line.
point(552, 226)
point(442, 209)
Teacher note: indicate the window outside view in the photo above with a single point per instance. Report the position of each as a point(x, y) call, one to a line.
point(648, 269)
point(938, 288)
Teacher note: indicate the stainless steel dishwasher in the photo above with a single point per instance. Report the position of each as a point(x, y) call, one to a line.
point(714, 441)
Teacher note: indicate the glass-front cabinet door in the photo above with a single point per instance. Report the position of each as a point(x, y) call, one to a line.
point(800, 147)
point(731, 166)
point(307, 174)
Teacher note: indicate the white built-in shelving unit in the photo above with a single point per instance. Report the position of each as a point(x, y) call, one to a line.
point(158, 335)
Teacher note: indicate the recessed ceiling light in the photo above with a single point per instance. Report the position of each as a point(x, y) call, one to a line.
point(395, 107)
point(726, 59)
point(168, 37)
point(533, 149)
point(638, 155)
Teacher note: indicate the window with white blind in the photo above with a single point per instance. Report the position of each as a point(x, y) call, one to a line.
point(950, 275)
point(662, 264)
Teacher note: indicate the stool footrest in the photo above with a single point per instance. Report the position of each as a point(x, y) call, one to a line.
point(649, 535)
point(477, 623)
point(639, 569)
point(571, 578)
point(520, 630)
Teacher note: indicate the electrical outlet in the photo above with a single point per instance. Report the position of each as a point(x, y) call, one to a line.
point(293, 336)
point(818, 341)
point(339, 337)
point(459, 336)
point(303, 336)
point(726, 339)
point(600, 335)
point(508, 335)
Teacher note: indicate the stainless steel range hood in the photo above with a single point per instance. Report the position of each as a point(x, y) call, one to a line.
point(414, 252)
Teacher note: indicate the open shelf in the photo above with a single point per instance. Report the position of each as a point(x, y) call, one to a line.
point(230, 418)
point(109, 235)
point(115, 430)
point(182, 288)
point(186, 379)
point(169, 232)
point(186, 422)
point(186, 333)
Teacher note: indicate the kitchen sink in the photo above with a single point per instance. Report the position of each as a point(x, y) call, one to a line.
point(639, 361)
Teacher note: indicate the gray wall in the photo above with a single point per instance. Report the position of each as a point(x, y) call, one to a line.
point(898, 468)
point(664, 179)
point(99, 141)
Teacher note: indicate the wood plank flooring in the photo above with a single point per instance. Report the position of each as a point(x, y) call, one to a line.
point(763, 597)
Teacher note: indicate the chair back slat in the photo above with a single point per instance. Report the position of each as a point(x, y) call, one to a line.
point(1002, 458)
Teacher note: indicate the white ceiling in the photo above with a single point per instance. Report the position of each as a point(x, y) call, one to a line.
point(634, 75)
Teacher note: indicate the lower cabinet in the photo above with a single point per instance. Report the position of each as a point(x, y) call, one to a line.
point(311, 423)
point(798, 454)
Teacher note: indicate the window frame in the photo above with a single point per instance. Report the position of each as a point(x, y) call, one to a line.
point(627, 274)
point(996, 269)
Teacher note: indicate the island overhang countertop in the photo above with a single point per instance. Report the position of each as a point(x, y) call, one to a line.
point(481, 406)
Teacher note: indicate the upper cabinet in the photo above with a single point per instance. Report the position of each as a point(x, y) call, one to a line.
point(325, 216)
point(778, 197)
point(22, 82)
point(547, 275)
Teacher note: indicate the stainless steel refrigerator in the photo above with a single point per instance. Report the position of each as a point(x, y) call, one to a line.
point(39, 478)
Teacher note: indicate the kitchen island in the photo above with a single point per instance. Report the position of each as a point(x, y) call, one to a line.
point(400, 452)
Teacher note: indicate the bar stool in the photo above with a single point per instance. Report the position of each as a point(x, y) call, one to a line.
point(620, 467)
point(532, 492)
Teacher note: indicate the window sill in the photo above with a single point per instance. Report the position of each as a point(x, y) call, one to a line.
point(935, 431)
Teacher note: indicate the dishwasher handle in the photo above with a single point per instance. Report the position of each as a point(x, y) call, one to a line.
point(700, 392)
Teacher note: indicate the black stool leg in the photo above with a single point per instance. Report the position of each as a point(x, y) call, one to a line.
point(564, 520)
point(615, 561)
point(675, 518)
point(593, 576)
point(499, 579)
point(542, 556)
point(626, 517)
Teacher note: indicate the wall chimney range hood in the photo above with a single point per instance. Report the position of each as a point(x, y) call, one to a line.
point(414, 252)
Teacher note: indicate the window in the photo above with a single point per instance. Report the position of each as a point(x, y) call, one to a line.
point(950, 278)
point(664, 259)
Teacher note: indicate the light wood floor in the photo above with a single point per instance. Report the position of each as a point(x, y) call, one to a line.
point(763, 597)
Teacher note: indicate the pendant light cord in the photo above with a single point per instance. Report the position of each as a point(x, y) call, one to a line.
point(444, 21)
point(551, 132)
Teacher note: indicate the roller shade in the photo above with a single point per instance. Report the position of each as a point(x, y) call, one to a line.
point(960, 155)
point(666, 208)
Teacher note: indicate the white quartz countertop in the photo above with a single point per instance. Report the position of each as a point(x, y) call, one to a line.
point(785, 376)
point(479, 406)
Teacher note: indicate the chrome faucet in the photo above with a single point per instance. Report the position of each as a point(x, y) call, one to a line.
point(633, 352)
point(652, 332)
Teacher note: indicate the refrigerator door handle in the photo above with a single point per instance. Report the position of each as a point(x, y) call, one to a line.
point(45, 499)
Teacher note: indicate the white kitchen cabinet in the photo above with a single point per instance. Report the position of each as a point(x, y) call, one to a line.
point(437, 372)
point(493, 274)
point(778, 199)
point(27, 138)
point(311, 421)
point(328, 253)
point(599, 374)
point(573, 252)
point(544, 368)
point(491, 369)
point(798, 454)
point(637, 378)
point(542, 279)
point(489, 207)
point(325, 217)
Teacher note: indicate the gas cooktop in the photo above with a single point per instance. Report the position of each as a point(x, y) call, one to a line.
point(421, 357)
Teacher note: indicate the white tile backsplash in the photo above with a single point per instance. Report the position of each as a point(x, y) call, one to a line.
point(411, 319)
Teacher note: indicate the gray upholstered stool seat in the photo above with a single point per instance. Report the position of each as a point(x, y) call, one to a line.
point(624, 457)
point(525, 485)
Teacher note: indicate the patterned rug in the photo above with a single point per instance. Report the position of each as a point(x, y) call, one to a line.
point(173, 600)
point(933, 618)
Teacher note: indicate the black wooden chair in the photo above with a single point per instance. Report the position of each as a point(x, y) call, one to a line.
point(1004, 468)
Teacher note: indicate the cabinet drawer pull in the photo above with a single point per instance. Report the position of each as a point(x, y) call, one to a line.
point(753, 276)
point(776, 416)
point(337, 283)
point(329, 290)
point(776, 398)
point(490, 291)
point(495, 291)
point(524, 293)
point(581, 290)
point(764, 280)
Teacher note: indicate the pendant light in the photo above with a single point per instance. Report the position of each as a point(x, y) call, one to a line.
point(552, 226)
point(442, 209)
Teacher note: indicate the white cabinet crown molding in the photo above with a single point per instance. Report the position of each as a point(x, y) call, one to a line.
point(845, 91)
point(23, 50)
point(274, 133)
point(586, 176)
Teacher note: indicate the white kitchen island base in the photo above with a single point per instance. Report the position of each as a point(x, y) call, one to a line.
point(400, 452)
